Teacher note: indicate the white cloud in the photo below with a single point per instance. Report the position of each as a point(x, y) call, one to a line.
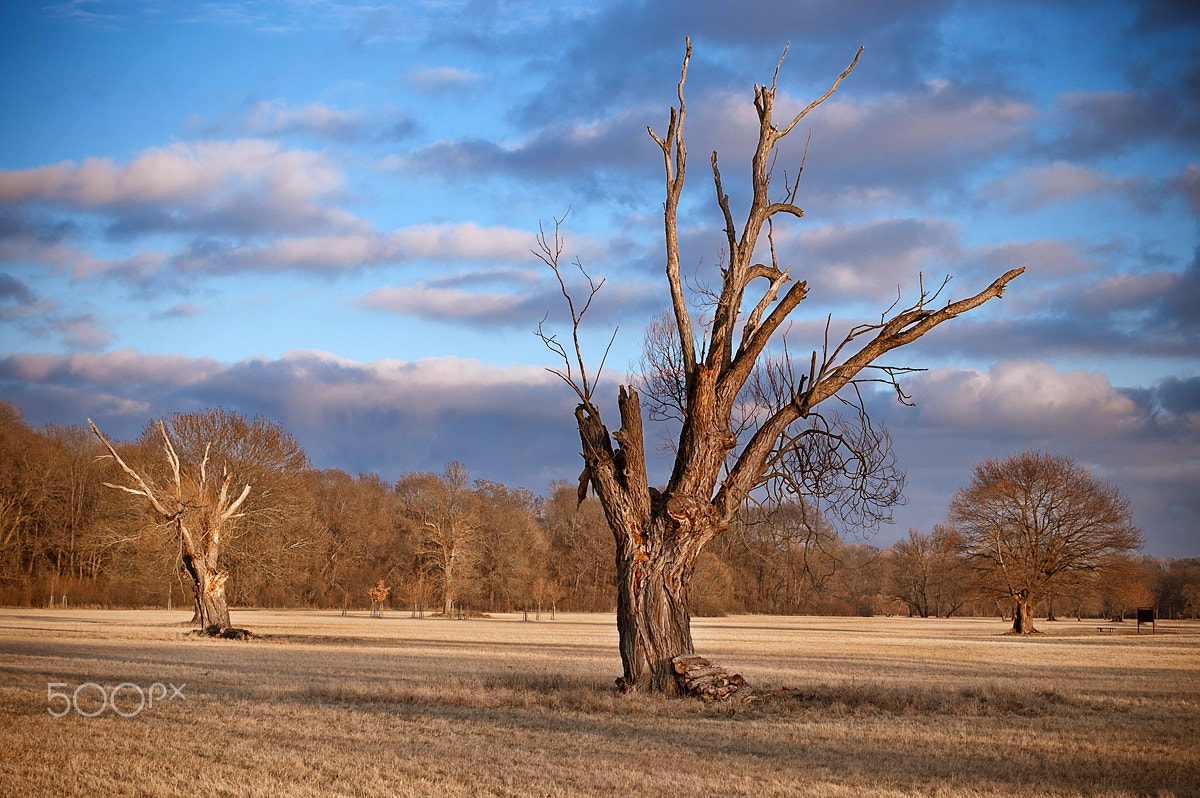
point(125, 367)
point(466, 240)
point(329, 381)
point(82, 331)
point(1124, 291)
point(1044, 257)
point(1025, 399)
point(441, 78)
point(173, 173)
point(81, 264)
point(443, 243)
point(213, 185)
point(275, 118)
point(1035, 187)
point(439, 303)
point(920, 135)
point(869, 260)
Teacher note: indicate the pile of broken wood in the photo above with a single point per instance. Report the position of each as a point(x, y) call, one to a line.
point(226, 632)
point(708, 682)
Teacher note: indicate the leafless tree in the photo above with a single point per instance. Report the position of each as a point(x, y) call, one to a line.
point(362, 540)
point(1122, 588)
point(277, 532)
point(513, 549)
point(197, 510)
point(211, 516)
point(794, 547)
point(1030, 519)
point(581, 560)
point(660, 533)
point(443, 510)
point(928, 573)
point(1176, 585)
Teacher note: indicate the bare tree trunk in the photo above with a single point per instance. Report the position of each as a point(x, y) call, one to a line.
point(1022, 615)
point(447, 588)
point(209, 588)
point(653, 621)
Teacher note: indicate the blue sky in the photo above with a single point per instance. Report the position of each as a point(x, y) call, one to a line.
point(323, 212)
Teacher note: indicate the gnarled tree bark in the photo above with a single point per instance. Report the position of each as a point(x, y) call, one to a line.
point(661, 533)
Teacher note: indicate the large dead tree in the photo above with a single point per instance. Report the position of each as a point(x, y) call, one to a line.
point(198, 509)
point(660, 533)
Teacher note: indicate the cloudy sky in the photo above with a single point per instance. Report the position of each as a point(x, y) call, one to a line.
point(322, 212)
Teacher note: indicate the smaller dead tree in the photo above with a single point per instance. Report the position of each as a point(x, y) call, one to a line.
point(198, 511)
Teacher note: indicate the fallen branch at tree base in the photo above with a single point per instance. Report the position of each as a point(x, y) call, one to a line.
point(226, 632)
point(701, 679)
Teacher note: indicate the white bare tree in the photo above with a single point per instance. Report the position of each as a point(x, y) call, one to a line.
point(197, 509)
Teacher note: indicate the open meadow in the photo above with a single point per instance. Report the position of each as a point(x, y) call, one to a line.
point(325, 705)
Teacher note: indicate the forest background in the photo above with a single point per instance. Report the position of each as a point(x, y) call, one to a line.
point(447, 543)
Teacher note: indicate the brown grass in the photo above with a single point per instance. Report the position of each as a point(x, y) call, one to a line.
point(326, 705)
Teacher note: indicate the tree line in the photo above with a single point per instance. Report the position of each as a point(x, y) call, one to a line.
point(444, 542)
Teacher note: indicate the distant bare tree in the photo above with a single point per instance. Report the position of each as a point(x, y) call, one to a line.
point(660, 533)
point(929, 573)
point(796, 543)
point(26, 508)
point(358, 519)
point(201, 489)
point(1028, 520)
point(1176, 584)
point(581, 560)
point(198, 511)
point(513, 549)
point(1122, 588)
point(442, 508)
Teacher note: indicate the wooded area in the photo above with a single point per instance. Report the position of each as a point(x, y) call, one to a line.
point(324, 538)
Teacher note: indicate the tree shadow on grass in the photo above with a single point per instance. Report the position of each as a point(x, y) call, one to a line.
point(808, 734)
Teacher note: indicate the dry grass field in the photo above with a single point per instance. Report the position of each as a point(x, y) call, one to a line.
point(324, 705)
